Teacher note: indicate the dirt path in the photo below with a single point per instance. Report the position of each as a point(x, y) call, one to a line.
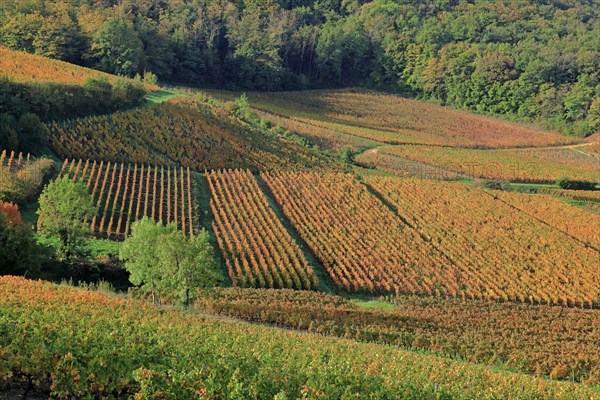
point(568, 146)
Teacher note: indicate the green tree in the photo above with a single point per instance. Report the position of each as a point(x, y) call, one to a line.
point(64, 205)
point(140, 256)
point(32, 132)
point(20, 31)
point(161, 258)
point(59, 37)
point(116, 48)
point(594, 114)
point(190, 263)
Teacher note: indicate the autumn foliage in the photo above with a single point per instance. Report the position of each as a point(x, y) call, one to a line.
point(24, 67)
point(515, 165)
point(259, 251)
point(392, 119)
point(183, 132)
point(187, 355)
point(124, 193)
point(11, 213)
point(443, 239)
point(502, 246)
point(515, 335)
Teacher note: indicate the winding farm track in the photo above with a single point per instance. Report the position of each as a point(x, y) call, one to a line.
point(586, 142)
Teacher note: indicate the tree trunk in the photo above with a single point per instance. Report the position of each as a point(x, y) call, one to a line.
point(153, 298)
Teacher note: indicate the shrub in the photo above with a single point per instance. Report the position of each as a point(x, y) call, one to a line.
point(242, 105)
point(559, 372)
point(150, 77)
point(346, 154)
point(18, 247)
point(566, 183)
point(24, 185)
point(495, 184)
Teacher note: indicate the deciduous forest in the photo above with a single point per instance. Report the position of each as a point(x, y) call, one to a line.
point(528, 60)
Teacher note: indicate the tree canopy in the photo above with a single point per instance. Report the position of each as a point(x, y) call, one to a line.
point(162, 258)
point(64, 205)
point(529, 59)
point(19, 253)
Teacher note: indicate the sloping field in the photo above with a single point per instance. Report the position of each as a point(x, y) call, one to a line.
point(546, 341)
point(442, 238)
point(25, 67)
point(179, 132)
point(259, 251)
point(361, 243)
point(504, 246)
point(80, 343)
point(125, 193)
point(393, 119)
point(518, 165)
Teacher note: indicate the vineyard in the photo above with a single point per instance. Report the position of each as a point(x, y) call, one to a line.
point(571, 220)
point(515, 335)
point(512, 165)
point(323, 137)
point(181, 132)
point(24, 67)
point(395, 120)
point(11, 163)
point(376, 159)
point(507, 247)
point(124, 194)
point(582, 195)
point(187, 355)
point(22, 177)
point(361, 243)
point(259, 251)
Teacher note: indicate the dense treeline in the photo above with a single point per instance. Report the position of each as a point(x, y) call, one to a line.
point(529, 59)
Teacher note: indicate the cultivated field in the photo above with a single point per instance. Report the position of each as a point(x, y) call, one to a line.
point(158, 351)
point(180, 132)
point(496, 250)
point(22, 177)
point(393, 119)
point(361, 243)
point(259, 251)
point(23, 67)
point(583, 195)
point(546, 341)
point(381, 235)
point(443, 239)
point(125, 193)
point(12, 162)
point(512, 165)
